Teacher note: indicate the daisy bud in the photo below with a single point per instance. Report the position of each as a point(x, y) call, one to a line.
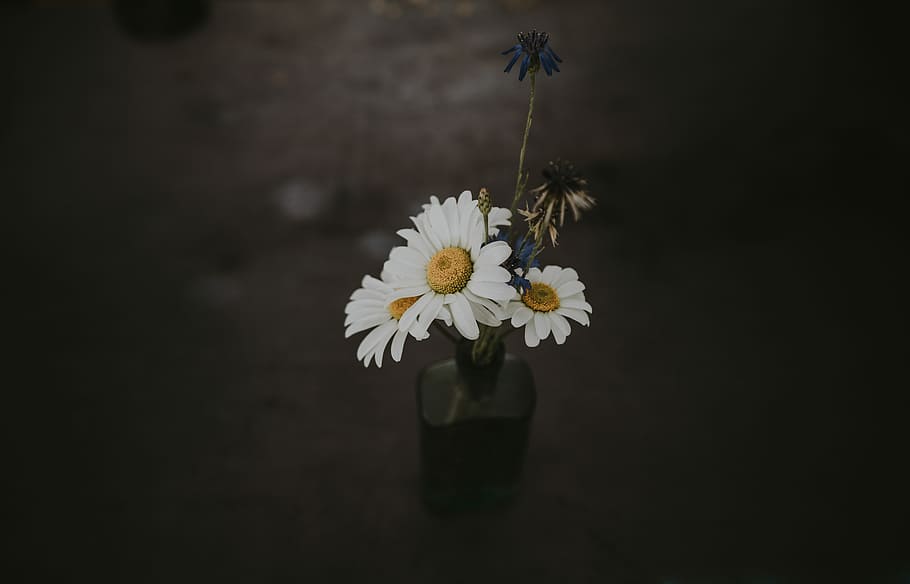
point(484, 204)
point(484, 201)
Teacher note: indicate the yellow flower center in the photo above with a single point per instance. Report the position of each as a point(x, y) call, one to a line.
point(541, 298)
point(398, 307)
point(449, 270)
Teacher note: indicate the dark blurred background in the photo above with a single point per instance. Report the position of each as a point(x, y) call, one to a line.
point(191, 193)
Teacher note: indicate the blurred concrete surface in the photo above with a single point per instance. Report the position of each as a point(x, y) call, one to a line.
point(186, 219)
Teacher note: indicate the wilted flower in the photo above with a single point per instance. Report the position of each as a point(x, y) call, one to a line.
point(536, 224)
point(563, 187)
point(536, 50)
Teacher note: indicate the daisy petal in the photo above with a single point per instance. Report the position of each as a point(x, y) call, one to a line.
point(399, 271)
point(569, 288)
point(440, 225)
point(423, 227)
point(365, 324)
point(408, 292)
point(364, 314)
point(492, 290)
point(418, 334)
point(466, 208)
point(567, 275)
point(521, 316)
point(575, 302)
point(371, 283)
point(490, 305)
point(484, 316)
point(579, 316)
point(416, 241)
point(450, 210)
point(531, 339)
point(409, 256)
point(398, 345)
point(410, 315)
point(475, 235)
point(549, 274)
point(541, 325)
point(368, 294)
point(559, 323)
point(484, 273)
point(463, 317)
point(399, 284)
point(429, 313)
point(499, 217)
point(379, 350)
point(494, 253)
point(558, 335)
point(371, 340)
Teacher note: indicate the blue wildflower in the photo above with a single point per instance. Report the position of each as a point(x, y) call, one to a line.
point(520, 261)
point(537, 52)
point(520, 284)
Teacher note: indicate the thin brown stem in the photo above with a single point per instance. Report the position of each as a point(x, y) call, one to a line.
point(522, 177)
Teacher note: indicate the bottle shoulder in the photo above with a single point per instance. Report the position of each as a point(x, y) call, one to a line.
point(443, 398)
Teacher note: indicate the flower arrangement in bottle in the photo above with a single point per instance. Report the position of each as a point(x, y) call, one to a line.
point(470, 266)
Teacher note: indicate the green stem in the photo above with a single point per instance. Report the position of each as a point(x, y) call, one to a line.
point(479, 349)
point(519, 183)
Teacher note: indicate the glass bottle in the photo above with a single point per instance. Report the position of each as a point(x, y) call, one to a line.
point(474, 424)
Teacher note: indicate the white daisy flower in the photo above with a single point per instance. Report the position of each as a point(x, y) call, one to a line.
point(448, 267)
point(373, 306)
point(555, 295)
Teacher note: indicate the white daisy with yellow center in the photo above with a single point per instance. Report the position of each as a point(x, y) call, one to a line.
point(555, 296)
point(449, 269)
point(374, 306)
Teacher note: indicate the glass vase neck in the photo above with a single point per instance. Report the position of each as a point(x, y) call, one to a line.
point(480, 380)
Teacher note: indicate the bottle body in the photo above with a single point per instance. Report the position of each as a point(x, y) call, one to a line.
point(474, 427)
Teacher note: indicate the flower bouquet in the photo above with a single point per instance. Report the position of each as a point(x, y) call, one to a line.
point(467, 265)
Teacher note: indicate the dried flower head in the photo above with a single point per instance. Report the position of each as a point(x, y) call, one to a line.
point(531, 217)
point(537, 52)
point(563, 187)
point(537, 222)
